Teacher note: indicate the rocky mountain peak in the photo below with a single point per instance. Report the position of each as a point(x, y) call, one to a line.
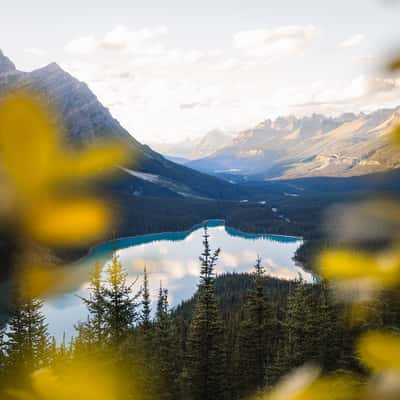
point(6, 65)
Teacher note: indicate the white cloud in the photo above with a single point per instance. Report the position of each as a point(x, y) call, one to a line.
point(36, 51)
point(353, 41)
point(275, 42)
point(82, 45)
point(362, 93)
point(160, 92)
point(121, 38)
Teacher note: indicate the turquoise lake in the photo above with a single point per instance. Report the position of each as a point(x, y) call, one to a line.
point(173, 259)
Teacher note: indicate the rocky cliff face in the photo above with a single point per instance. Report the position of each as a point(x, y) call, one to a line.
point(6, 65)
point(316, 145)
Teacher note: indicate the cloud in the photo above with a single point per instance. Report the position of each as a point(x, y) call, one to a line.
point(359, 94)
point(120, 38)
point(280, 41)
point(160, 91)
point(383, 85)
point(36, 51)
point(353, 41)
point(82, 45)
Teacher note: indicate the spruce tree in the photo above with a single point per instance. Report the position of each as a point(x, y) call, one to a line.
point(166, 349)
point(96, 305)
point(146, 304)
point(27, 343)
point(326, 335)
point(205, 345)
point(120, 305)
point(298, 326)
point(255, 334)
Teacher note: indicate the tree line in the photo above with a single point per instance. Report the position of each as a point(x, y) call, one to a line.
point(237, 336)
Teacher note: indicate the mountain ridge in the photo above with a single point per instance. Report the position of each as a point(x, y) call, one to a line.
point(293, 147)
point(86, 120)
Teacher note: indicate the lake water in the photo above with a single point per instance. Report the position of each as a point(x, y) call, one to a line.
point(173, 259)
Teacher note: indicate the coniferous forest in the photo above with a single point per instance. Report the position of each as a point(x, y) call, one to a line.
point(234, 338)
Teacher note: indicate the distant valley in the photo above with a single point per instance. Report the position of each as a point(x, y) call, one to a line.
point(192, 149)
point(155, 194)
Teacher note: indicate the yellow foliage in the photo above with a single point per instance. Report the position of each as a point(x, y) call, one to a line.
point(41, 279)
point(28, 145)
point(394, 64)
point(343, 265)
point(380, 351)
point(304, 384)
point(78, 380)
point(36, 164)
point(73, 222)
point(95, 160)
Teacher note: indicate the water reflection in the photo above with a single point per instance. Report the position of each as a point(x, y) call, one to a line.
point(172, 258)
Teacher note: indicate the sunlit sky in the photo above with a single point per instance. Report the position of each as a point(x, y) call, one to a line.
point(175, 69)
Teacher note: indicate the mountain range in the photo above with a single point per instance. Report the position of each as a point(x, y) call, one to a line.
point(85, 120)
point(316, 145)
point(191, 149)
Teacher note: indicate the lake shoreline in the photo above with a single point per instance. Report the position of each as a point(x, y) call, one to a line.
point(221, 221)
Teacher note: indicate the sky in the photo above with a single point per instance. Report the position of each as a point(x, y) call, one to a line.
point(171, 70)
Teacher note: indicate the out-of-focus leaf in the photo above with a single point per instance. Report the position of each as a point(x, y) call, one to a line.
point(40, 280)
point(394, 64)
point(341, 265)
point(380, 351)
point(80, 380)
point(99, 160)
point(28, 142)
point(68, 222)
point(304, 384)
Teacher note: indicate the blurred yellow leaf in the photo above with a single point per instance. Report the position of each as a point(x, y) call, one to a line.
point(344, 264)
point(341, 265)
point(96, 160)
point(304, 384)
point(380, 351)
point(68, 222)
point(394, 64)
point(28, 142)
point(40, 280)
point(78, 381)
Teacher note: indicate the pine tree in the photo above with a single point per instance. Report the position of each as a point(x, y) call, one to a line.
point(96, 305)
point(205, 354)
point(60, 355)
point(166, 349)
point(146, 304)
point(27, 343)
point(120, 305)
point(255, 337)
point(325, 327)
point(298, 326)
